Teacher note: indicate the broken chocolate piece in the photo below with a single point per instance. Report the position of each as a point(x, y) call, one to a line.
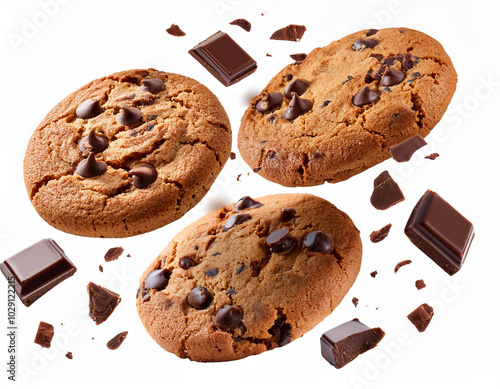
point(297, 107)
point(117, 341)
point(102, 302)
point(344, 343)
point(421, 317)
point(365, 96)
point(100, 268)
point(44, 334)
point(269, 102)
point(297, 86)
point(90, 167)
point(374, 273)
point(386, 192)
point(292, 32)
point(243, 23)
point(113, 254)
point(355, 301)
point(245, 203)
point(420, 284)
point(299, 57)
point(399, 265)
point(232, 156)
point(380, 235)
point(69, 355)
point(438, 230)
point(403, 151)
point(228, 317)
point(432, 156)
point(175, 30)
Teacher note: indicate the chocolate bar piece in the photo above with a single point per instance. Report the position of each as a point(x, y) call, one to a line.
point(386, 192)
point(342, 344)
point(421, 317)
point(438, 230)
point(37, 269)
point(403, 151)
point(224, 58)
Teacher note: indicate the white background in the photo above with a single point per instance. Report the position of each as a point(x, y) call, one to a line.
point(80, 41)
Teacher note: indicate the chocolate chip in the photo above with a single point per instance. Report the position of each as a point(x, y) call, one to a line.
point(287, 214)
point(157, 279)
point(365, 96)
point(280, 241)
point(152, 85)
point(392, 77)
point(299, 57)
point(228, 317)
point(292, 32)
point(380, 235)
point(257, 169)
point(269, 102)
point(100, 268)
point(297, 107)
point(371, 32)
point(93, 142)
point(186, 262)
point(151, 117)
point(371, 76)
point(175, 30)
point(117, 341)
point(318, 242)
point(297, 86)
point(212, 272)
point(240, 268)
point(144, 174)
point(236, 219)
point(245, 203)
point(421, 317)
point(89, 109)
point(230, 292)
point(149, 127)
point(349, 78)
point(288, 77)
point(129, 116)
point(364, 43)
point(90, 167)
point(325, 103)
point(200, 297)
point(113, 254)
point(243, 23)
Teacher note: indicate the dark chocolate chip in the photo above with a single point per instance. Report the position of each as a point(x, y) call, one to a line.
point(380, 235)
point(292, 32)
point(355, 301)
point(236, 219)
point(297, 107)
point(297, 86)
point(271, 119)
point(152, 85)
point(129, 116)
point(325, 103)
point(407, 61)
point(228, 317)
point(392, 77)
point(144, 175)
point(157, 279)
point(364, 43)
point(318, 242)
point(151, 117)
point(257, 169)
point(186, 262)
point(365, 96)
point(287, 214)
point(280, 241)
point(200, 297)
point(243, 23)
point(299, 57)
point(102, 302)
point(389, 61)
point(93, 142)
point(89, 167)
point(117, 341)
point(432, 156)
point(212, 272)
point(269, 102)
point(371, 32)
point(230, 292)
point(240, 268)
point(89, 109)
point(175, 30)
point(149, 127)
point(245, 203)
point(372, 76)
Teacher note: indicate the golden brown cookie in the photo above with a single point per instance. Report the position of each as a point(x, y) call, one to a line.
point(338, 112)
point(249, 277)
point(126, 154)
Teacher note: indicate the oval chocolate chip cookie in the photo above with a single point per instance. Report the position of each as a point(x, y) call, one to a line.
point(338, 112)
point(126, 154)
point(250, 277)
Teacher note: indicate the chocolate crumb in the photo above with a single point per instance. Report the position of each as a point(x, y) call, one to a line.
point(432, 156)
point(117, 341)
point(100, 268)
point(355, 301)
point(299, 57)
point(268, 55)
point(380, 235)
point(243, 23)
point(233, 156)
point(386, 192)
point(401, 264)
point(292, 32)
point(69, 355)
point(420, 284)
point(257, 169)
point(374, 273)
point(238, 178)
point(175, 30)
point(44, 334)
point(113, 254)
point(421, 317)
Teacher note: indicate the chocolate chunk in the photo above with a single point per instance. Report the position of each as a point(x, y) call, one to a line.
point(152, 85)
point(269, 102)
point(403, 151)
point(228, 317)
point(380, 235)
point(157, 279)
point(287, 214)
point(371, 32)
point(399, 265)
point(297, 107)
point(374, 274)
point(129, 116)
point(37, 269)
point(344, 343)
point(89, 109)
point(355, 301)
point(200, 297)
point(280, 241)
point(69, 355)
point(392, 77)
point(232, 156)
point(318, 242)
point(421, 317)
point(325, 103)
point(236, 219)
point(113, 254)
point(297, 86)
point(175, 30)
point(117, 341)
point(442, 233)
point(212, 272)
point(365, 96)
point(243, 23)
point(93, 142)
point(420, 284)
point(386, 192)
point(186, 262)
point(44, 334)
point(246, 202)
point(144, 175)
point(299, 57)
point(292, 32)
point(224, 58)
point(102, 302)
point(90, 167)
point(432, 156)
point(361, 44)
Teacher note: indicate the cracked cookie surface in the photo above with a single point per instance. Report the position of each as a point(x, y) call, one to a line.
point(249, 277)
point(162, 139)
point(410, 81)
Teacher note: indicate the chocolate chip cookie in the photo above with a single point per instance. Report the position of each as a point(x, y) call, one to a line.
point(126, 154)
point(250, 277)
point(339, 111)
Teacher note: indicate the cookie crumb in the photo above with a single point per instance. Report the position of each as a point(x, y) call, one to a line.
point(113, 254)
point(420, 284)
point(401, 264)
point(355, 301)
point(380, 235)
point(175, 30)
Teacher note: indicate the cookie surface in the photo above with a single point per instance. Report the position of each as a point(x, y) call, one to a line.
point(355, 98)
point(126, 154)
point(249, 278)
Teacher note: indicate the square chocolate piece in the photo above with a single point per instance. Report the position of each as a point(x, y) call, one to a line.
point(438, 230)
point(37, 269)
point(224, 58)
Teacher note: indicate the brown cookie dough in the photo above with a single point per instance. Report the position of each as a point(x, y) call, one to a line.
point(126, 154)
point(339, 111)
point(249, 277)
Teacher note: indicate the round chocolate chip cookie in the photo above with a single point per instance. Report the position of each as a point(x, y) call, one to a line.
point(338, 112)
point(126, 154)
point(249, 277)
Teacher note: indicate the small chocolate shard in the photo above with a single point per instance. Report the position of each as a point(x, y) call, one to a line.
point(232, 156)
point(44, 334)
point(420, 284)
point(297, 107)
point(89, 109)
point(292, 32)
point(113, 254)
point(380, 235)
point(69, 355)
point(175, 30)
point(421, 317)
point(243, 23)
point(374, 274)
point(399, 265)
point(144, 175)
point(102, 302)
point(402, 152)
point(432, 156)
point(299, 57)
point(117, 341)
point(386, 192)
point(90, 167)
point(101, 268)
point(365, 96)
